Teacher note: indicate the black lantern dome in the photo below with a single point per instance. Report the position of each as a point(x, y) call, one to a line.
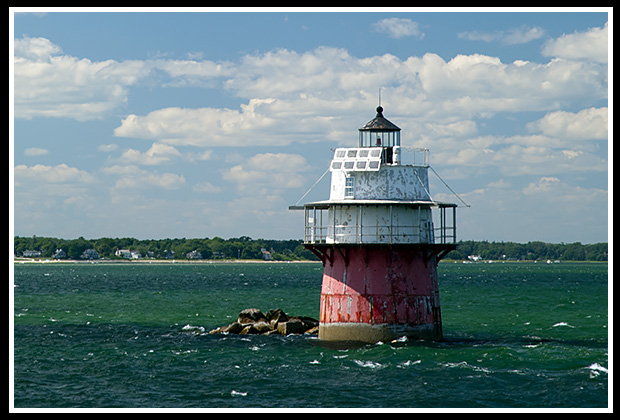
point(379, 132)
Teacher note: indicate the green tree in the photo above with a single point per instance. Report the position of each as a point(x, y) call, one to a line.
point(77, 247)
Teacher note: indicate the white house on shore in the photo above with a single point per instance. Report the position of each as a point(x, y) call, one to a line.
point(127, 253)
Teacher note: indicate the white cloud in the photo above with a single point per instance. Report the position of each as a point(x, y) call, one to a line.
point(587, 124)
point(107, 147)
point(52, 85)
point(316, 96)
point(58, 174)
point(201, 73)
point(323, 91)
point(588, 45)
point(544, 185)
point(268, 173)
point(157, 154)
point(520, 35)
point(48, 193)
point(206, 127)
point(557, 144)
point(206, 187)
point(132, 177)
point(399, 28)
point(35, 48)
point(479, 84)
point(547, 209)
point(35, 151)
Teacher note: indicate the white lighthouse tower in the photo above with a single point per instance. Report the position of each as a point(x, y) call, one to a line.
point(378, 241)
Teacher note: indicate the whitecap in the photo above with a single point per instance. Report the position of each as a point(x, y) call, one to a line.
point(238, 393)
point(409, 363)
point(368, 364)
point(452, 365)
point(597, 367)
point(193, 328)
point(315, 362)
point(562, 324)
point(468, 366)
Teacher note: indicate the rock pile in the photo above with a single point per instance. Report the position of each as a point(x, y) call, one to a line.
point(275, 321)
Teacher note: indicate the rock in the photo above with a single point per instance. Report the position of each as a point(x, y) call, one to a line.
point(217, 330)
point(234, 328)
point(249, 316)
point(293, 326)
point(275, 321)
point(313, 330)
point(249, 329)
point(308, 322)
point(277, 315)
point(262, 327)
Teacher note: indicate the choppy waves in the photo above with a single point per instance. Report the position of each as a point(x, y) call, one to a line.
point(508, 343)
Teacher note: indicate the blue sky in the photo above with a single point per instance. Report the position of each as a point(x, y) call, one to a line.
point(209, 123)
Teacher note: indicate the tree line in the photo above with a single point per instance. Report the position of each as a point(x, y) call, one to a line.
point(286, 250)
point(534, 250)
point(179, 248)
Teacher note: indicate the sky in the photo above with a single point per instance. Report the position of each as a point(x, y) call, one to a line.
point(193, 123)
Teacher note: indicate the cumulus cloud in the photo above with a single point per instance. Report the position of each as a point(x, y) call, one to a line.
point(35, 48)
point(543, 185)
point(41, 189)
point(520, 35)
point(157, 154)
point(482, 84)
point(206, 187)
point(318, 95)
point(133, 177)
point(399, 28)
point(587, 124)
point(53, 85)
point(320, 92)
point(547, 208)
point(35, 151)
point(44, 174)
point(560, 142)
point(49, 83)
point(248, 126)
point(268, 173)
point(588, 45)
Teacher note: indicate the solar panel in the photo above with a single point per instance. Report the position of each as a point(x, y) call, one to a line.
point(357, 159)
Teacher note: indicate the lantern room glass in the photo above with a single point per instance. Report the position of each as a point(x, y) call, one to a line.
point(379, 138)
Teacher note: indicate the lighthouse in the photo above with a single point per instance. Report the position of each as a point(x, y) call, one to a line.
point(380, 237)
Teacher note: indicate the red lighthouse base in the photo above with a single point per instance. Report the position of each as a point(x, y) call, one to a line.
point(376, 293)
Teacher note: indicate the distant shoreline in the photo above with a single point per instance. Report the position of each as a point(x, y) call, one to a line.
point(20, 260)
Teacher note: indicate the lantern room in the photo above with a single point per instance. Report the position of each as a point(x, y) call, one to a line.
point(379, 132)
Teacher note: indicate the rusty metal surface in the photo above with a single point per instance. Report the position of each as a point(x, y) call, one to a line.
point(380, 285)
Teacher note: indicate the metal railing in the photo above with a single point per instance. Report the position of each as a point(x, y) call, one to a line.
point(319, 228)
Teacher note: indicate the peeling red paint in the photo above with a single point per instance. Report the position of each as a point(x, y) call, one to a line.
point(378, 284)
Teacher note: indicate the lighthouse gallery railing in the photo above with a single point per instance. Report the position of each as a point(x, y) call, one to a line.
point(322, 229)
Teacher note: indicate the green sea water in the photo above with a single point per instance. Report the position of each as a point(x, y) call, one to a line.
point(136, 335)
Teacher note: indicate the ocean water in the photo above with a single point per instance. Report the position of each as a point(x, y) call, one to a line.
point(136, 335)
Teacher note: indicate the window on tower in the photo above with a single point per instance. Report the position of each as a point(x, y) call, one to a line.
point(349, 187)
